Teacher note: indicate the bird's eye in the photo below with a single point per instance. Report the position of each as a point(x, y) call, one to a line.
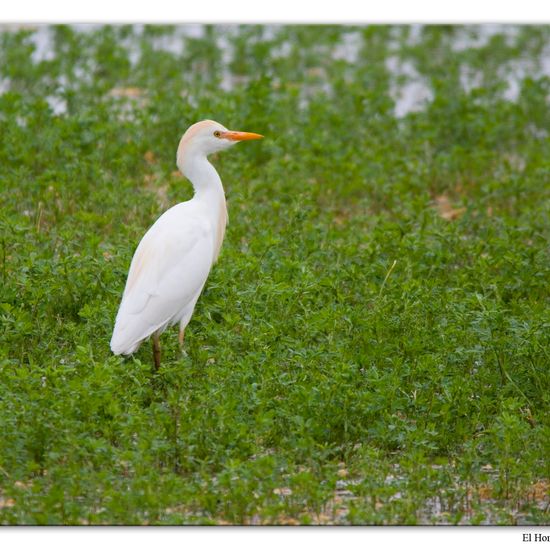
point(217, 133)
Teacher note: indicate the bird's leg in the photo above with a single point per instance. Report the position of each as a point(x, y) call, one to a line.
point(156, 350)
point(180, 336)
point(180, 340)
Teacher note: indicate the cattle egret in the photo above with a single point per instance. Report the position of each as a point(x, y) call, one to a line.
point(173, 259)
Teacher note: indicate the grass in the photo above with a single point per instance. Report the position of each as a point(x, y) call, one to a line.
point(372, 346)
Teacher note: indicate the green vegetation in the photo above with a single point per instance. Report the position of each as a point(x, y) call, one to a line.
point(373, 344)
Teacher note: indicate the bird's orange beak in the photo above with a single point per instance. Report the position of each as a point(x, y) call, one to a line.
point(240, 136)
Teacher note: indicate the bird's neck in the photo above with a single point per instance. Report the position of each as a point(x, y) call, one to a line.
point(204, 178)
point(209, 193)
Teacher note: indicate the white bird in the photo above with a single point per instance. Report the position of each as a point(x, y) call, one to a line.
point(172, 262)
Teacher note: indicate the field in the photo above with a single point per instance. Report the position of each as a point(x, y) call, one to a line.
point(373, 345)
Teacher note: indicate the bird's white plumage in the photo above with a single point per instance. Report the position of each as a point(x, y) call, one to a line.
point(167, 273)
point(172, 262)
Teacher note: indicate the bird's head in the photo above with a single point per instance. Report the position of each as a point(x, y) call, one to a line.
point(207, 136)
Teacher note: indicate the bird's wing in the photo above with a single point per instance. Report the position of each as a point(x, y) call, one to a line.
point(168, 271)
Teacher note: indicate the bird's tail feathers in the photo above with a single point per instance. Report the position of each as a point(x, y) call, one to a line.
point(124, 340)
